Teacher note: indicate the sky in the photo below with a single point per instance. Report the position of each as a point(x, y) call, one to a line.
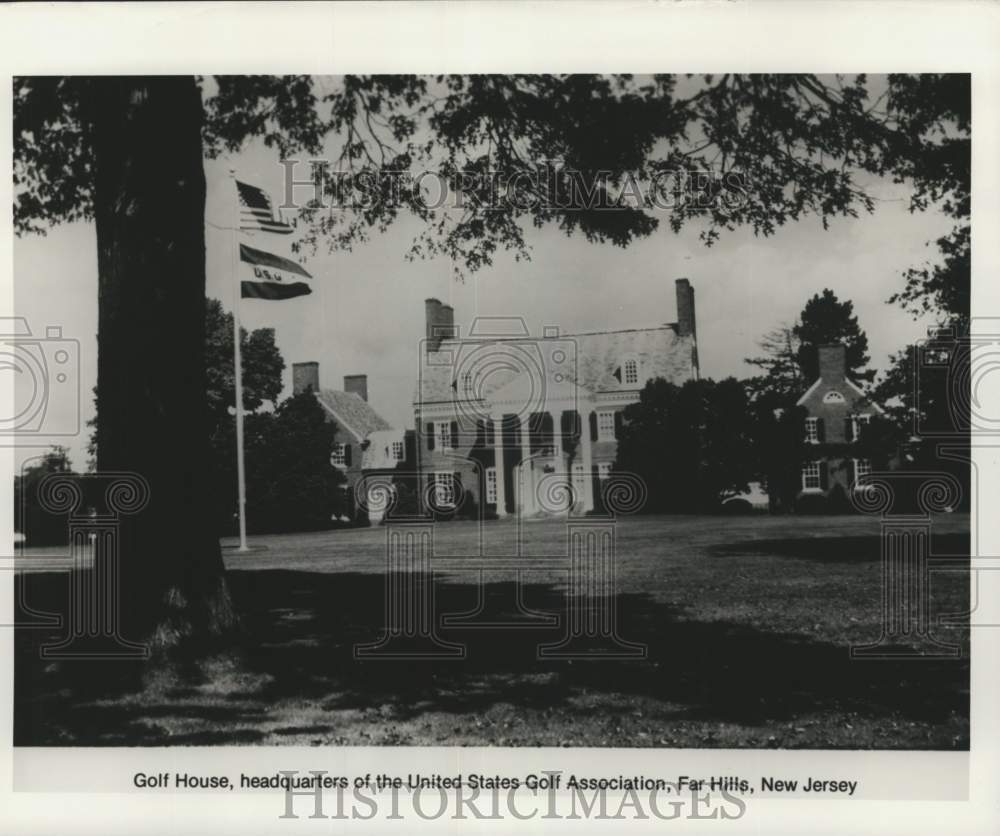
point(366, 314)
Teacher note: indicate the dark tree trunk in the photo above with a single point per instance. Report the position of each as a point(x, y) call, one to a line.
point(150, 213)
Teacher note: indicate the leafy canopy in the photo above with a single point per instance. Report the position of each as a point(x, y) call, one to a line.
point(803, 143)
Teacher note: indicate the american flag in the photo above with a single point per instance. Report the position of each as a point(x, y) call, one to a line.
point(256, 214)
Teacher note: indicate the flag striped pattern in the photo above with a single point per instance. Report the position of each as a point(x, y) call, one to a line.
point(256, 213)
point(273, 277)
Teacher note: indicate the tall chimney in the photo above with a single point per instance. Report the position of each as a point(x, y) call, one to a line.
point(305, 376)
point(448, 321)
point(832, 363)
point(432, 311)
point(685, 309)
point(440, 323)
point(358, 384)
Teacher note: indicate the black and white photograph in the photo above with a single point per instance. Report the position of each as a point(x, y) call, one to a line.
point(486, 431)
point(499, 411)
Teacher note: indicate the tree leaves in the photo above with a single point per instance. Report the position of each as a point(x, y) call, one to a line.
point(800, 143)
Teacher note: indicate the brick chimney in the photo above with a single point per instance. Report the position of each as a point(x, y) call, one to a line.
point(832, 363)
point(685, 309)
point(305, 376)
point(358, 384)
point(440, 323)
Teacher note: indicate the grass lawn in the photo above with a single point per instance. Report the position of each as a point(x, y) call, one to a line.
point(747, 621)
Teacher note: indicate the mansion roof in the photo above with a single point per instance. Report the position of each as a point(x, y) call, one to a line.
point(352, 413)
point(572, 365)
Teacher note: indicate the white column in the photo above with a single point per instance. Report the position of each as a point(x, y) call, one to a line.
point(588, 481)
point(526, 488)
point(557, 435)
point(498, 454)
point(557, 446)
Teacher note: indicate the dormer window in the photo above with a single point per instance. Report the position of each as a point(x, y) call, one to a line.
point(630, 371)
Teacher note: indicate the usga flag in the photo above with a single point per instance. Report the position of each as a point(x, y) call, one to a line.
point(271, 276)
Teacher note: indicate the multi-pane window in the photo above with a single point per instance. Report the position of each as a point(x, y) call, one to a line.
point(468, 387)
point(338, 458)
point(579, 481)
point(631, 371)
point(812, 430)
point(862, 467)
point(444, 489)
point(491, 485)
point(605, 426)
point(810, 476)
point(397, 450)
point(442, 434)
point(604, 470)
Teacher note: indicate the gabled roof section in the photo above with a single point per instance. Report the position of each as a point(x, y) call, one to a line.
point(845, 384)
point(352, 413)
point(591, 360)
point(378, 454)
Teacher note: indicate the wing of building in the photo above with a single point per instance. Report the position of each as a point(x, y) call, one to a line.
point(529, 423)
point(365, 441)
point(838, 412)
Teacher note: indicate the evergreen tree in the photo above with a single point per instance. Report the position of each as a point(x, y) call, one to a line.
point(825, 320)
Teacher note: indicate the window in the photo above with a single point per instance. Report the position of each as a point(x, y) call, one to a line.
point(810, 476)
point(442, 433)
point(812, 430)
point(579, 481)
point(338, 458)
point(833, 397)
point(630, 371)
point(467, 384)
point(397, 450)
point(604, 470)
point(444, 489)
point(605, 426)
point(862, 467)
point(491, 486)
point(857, 422)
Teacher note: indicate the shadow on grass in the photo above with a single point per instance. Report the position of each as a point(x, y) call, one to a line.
point(824, 549)
point(301, 627)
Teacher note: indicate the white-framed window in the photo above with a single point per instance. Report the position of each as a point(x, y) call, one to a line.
point(604, 470)
point(468, 384)
point(812, 430)
point(338, 458)
point(442, 434)
point(579, 480)
point(444, 489)
point(857, 422)
point(491, 485)
point(397, 451)
point(833, 397)
point(811, 477)
point(630, 371)
point(605, 426)
point(862, 467)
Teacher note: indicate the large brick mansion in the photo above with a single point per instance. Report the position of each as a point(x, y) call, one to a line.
point(525, 423)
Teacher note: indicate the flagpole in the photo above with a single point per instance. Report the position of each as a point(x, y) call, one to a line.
point(238, 367)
